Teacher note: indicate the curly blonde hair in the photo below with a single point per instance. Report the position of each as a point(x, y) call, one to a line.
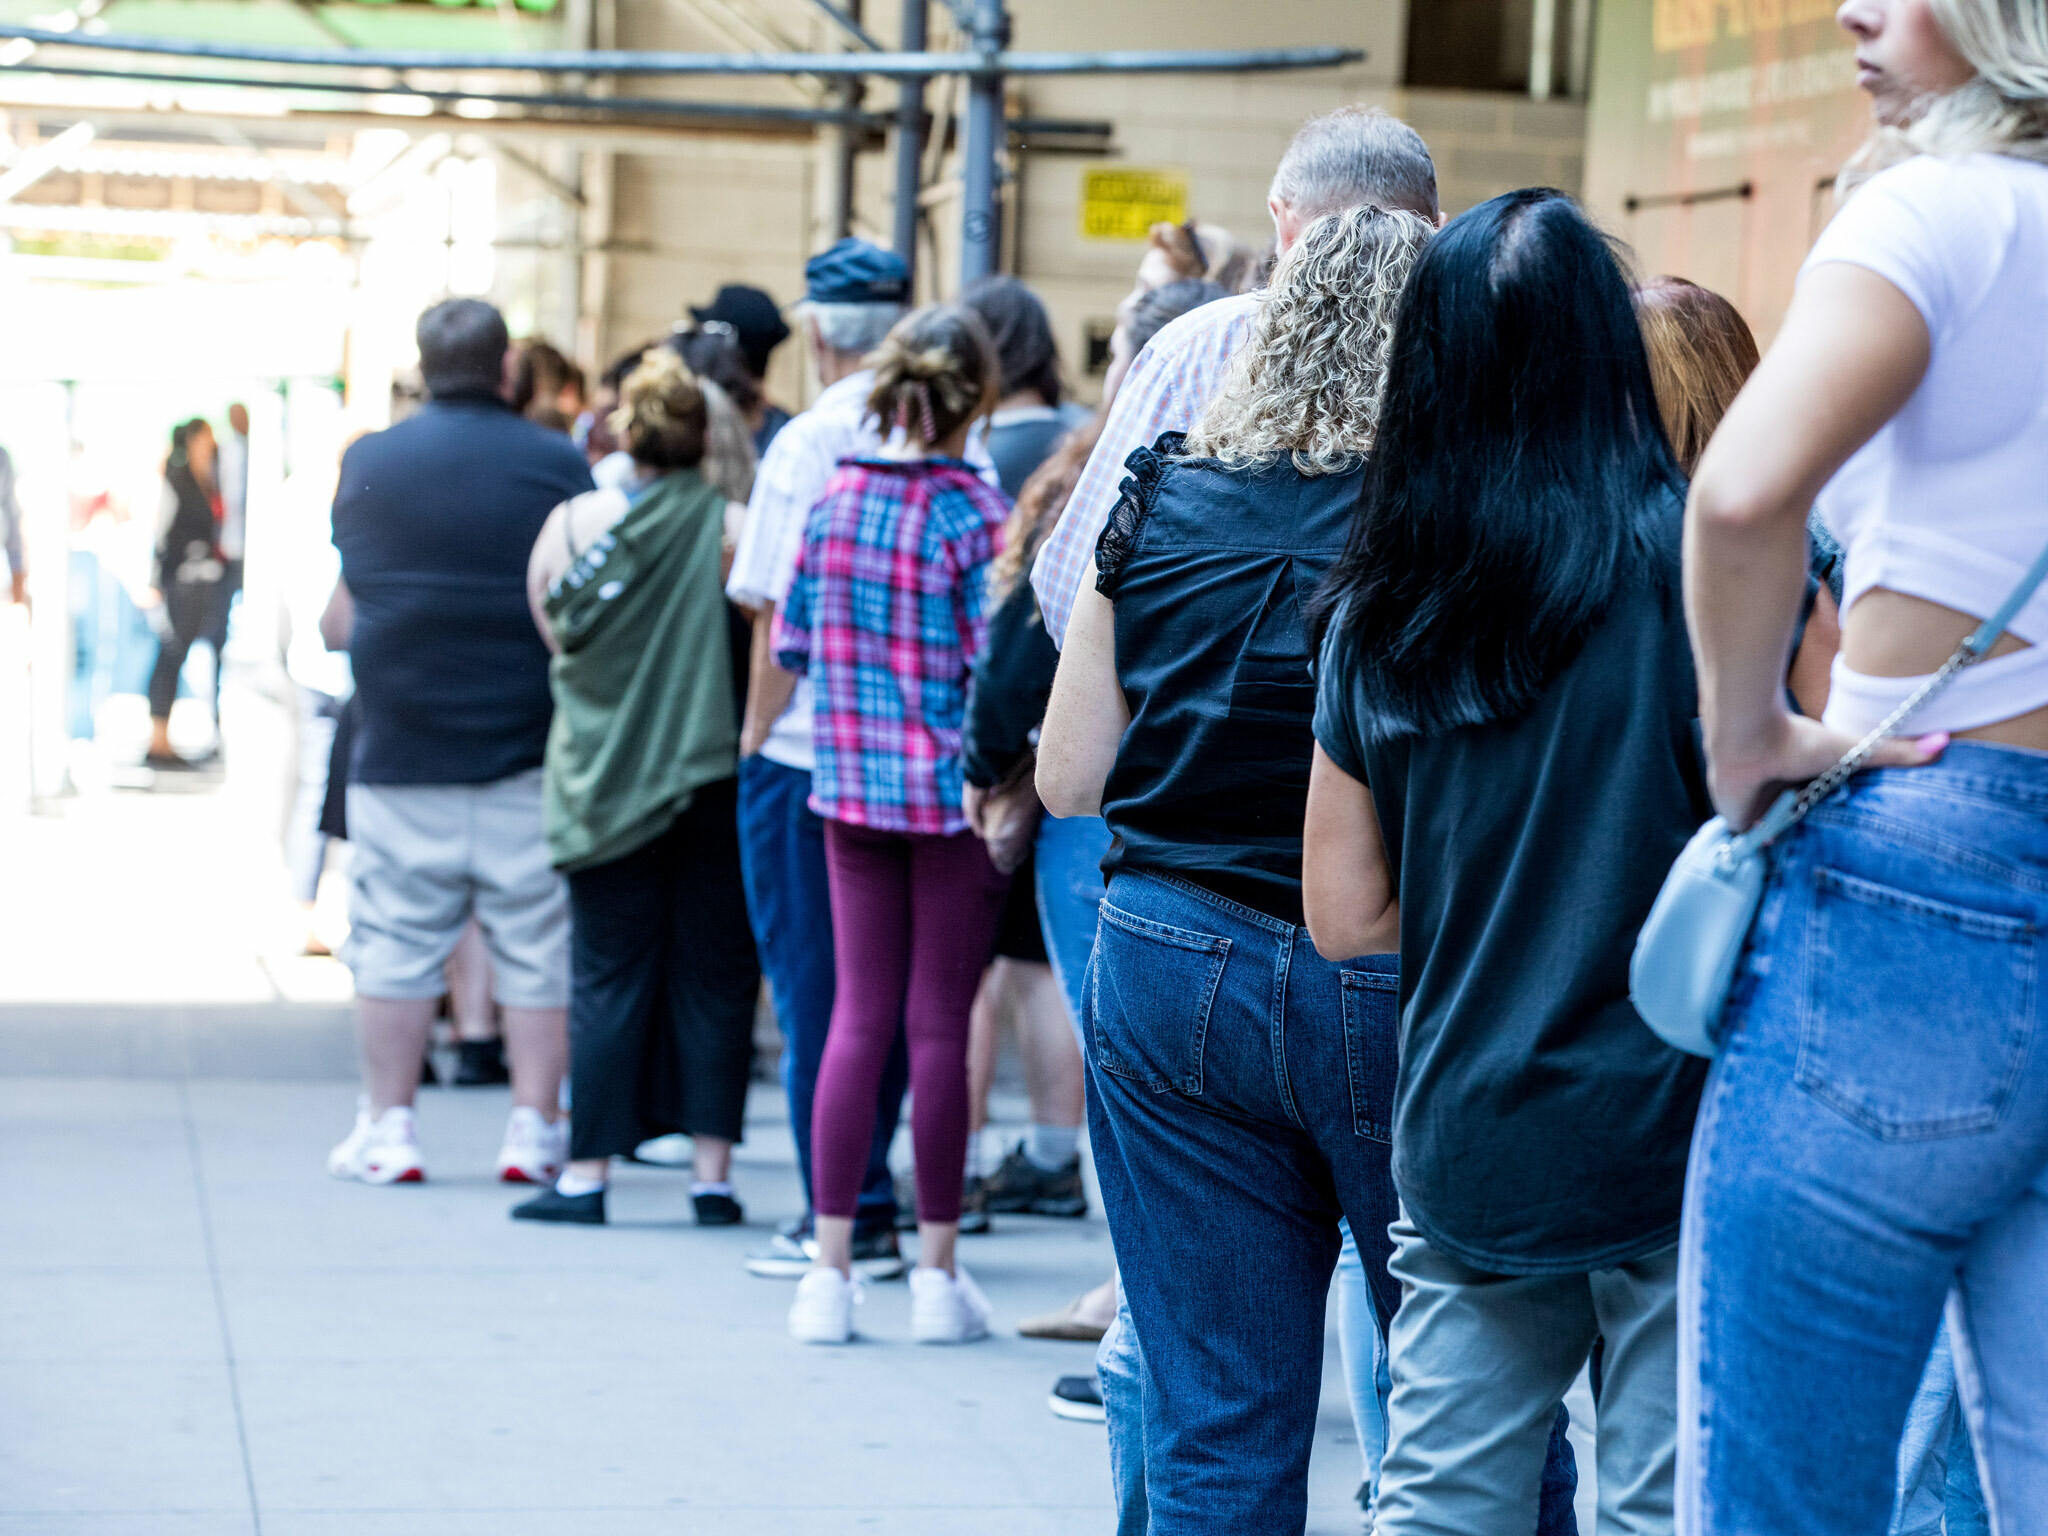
point(662, 419)
point(935, 370)
point(1308, 384)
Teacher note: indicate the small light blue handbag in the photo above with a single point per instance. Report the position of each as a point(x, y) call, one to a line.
point(1686, 954)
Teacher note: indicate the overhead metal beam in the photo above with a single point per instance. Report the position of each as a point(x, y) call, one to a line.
point(627, 62)
point(622, 134)
point(592, 110)
point(595, 108)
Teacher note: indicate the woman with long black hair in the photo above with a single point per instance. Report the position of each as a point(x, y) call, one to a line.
point(1506, 766)
point(189, 569)
point(1240, 1087)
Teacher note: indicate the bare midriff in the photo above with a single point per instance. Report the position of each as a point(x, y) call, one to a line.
point(1888, 634)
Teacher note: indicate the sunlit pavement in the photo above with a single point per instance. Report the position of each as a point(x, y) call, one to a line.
point(201, 1333)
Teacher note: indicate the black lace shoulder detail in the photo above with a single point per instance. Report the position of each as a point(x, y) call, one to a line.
point(1120, 534)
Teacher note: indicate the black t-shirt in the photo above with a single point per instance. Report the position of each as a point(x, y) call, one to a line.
point(435, 519)
point(1539, 1126)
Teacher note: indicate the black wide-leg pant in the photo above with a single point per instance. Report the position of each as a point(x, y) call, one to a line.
point(663, 982)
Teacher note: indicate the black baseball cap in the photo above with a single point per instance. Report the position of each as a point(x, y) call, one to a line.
point(756, 321)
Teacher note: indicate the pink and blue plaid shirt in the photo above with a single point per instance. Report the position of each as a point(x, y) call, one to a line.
point(886, 614)
point(1169, 386)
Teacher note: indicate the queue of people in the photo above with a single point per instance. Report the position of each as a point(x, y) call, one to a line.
point(1339, 694)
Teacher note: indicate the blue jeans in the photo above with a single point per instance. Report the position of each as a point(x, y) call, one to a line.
point(1243, 1089)
point(1873, 1137)
point(1938, 1490)
point(782, 858)
point(1120, 1376)
point(1069, 864)
point(1364, 1348)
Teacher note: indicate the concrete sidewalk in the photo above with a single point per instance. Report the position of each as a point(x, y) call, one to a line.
point(202, 1334)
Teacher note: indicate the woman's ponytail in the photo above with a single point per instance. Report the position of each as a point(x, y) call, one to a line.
point(936, 370)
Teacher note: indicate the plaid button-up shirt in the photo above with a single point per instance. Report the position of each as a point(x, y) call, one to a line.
point(1167, 389)
point(885, 614)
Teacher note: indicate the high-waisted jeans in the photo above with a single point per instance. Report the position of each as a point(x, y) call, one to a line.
point(1240, 1103)
point(1873, 1137)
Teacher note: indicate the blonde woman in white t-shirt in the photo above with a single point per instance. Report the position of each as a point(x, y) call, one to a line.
point(1874, 1138)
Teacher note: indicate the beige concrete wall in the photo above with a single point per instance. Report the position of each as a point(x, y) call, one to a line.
point(712, 212)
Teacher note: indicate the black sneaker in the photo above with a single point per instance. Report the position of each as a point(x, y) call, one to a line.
point(480, 1064)
point(1077, 1398)
point(1021, 1187)
point(974, 1208)
point(876, 1254)
point(973, 1214)
point(552, 1205)
point(716, 1210)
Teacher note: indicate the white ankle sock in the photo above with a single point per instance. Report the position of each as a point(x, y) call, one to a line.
point(570, 1184)
point(1051, 1147)
point(716, 1187)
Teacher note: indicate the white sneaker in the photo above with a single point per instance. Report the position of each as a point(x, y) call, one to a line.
point(823, 1310)
point(534, 1150)
point(380, 1151)
point(672, 1151)
point(946, 1309)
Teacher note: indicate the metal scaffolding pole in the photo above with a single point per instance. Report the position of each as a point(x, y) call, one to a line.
point(909, 137)
point(980, 219)
point(846, 137)
point(634, 62)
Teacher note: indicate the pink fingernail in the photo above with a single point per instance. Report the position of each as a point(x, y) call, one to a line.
point(1933, 741)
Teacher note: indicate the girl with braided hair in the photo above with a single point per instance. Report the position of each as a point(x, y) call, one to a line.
point(886, 613)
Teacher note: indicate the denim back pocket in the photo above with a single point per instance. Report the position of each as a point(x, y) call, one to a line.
point(1372, 1013)
point(1154, 985)
point(1917, 1013)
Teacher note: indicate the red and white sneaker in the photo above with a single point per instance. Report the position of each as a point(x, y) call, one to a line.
point(534, 1150)
point(380, 1151)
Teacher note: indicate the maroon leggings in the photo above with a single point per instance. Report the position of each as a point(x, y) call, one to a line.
point(913, 925)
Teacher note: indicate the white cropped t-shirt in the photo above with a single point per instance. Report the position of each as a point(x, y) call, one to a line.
point(1949, 501)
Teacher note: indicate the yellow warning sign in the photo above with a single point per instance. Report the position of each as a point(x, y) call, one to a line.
point(1121, 202)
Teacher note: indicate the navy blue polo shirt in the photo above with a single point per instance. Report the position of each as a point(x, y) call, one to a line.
point(435, 520)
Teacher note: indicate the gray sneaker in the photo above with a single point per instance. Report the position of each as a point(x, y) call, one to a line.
point(786, 1256)
point(794, 1249)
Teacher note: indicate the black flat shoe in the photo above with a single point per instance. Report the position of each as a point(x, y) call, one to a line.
point(718, 1210)
point(168, 762)
point(552, 1205)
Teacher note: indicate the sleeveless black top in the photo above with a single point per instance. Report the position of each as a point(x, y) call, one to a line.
point(1210, 569)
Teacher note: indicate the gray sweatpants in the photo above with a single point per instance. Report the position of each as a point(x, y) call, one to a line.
point(1480, 1362)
